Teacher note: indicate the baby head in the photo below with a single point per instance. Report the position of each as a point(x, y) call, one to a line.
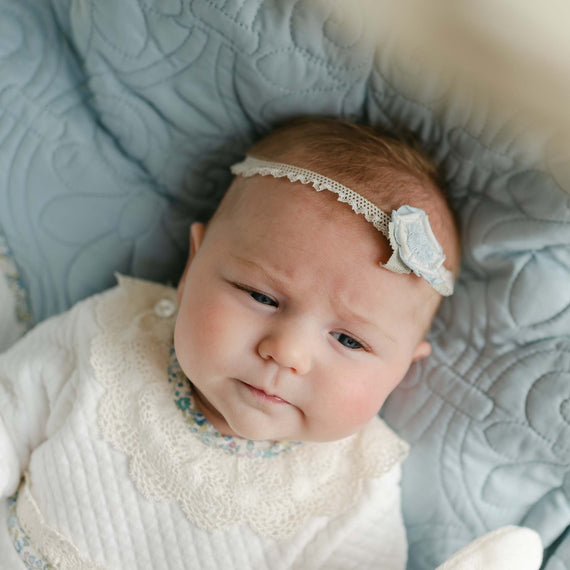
point(289, 325)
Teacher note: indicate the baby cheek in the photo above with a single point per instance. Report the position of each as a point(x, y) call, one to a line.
point(357, 402)
point(205, 326)
point(217, 330)
point(363, 405)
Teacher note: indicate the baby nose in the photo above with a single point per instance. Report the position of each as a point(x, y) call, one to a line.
point(288, 346)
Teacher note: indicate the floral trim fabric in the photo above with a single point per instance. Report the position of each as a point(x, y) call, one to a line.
point(29, 527)
point(29, 555)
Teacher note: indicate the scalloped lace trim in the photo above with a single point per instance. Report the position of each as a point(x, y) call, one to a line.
point(215, 490)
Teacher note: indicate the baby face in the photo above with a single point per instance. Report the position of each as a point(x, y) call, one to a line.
point(287, 326)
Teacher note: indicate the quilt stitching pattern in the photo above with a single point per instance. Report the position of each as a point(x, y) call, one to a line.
point(114, 139)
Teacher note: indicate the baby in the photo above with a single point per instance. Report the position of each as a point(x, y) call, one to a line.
point(288, 327)
point(233, 423)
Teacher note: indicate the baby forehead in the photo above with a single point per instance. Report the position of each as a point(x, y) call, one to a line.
point(309, 241)
point(269, 214)
point(295, 231)
point(405, 221)
point(271, 199)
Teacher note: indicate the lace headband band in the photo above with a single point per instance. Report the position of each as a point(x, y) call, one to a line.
point(413, 243)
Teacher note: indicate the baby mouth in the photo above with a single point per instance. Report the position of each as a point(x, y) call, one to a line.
point(263, 395)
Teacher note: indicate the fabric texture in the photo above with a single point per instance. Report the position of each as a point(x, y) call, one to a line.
point(118, 124)
point(98, 494)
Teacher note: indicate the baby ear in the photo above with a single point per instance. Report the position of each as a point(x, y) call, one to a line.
point(197, 231)
point(423, 350)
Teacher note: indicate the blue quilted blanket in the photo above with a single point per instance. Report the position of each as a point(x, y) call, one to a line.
point(118, 122)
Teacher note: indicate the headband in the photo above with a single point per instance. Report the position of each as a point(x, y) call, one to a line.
point(414, 246)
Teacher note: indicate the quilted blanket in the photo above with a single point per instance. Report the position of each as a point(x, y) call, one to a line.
point(118, 122)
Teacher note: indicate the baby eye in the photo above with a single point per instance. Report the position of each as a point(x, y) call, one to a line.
point(263, 299)
point(347, 341)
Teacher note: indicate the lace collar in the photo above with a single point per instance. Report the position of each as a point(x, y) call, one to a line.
point(167, 462)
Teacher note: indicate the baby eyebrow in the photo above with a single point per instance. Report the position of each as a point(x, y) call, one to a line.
point(351, 316)
point(260, 270)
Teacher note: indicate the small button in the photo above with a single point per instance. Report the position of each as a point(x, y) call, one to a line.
point(165, 308)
